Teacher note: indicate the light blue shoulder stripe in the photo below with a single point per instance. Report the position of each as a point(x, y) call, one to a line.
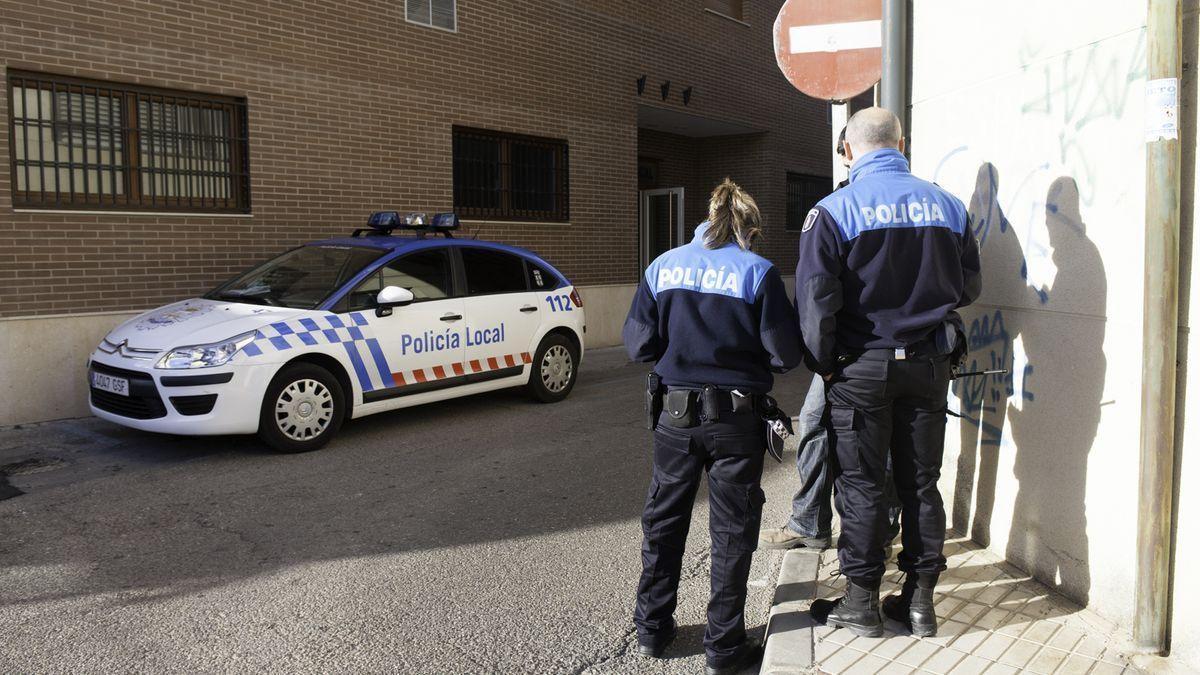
point(728, 271)
point(893, 201)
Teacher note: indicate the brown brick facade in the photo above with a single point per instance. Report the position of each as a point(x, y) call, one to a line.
point(351, 109)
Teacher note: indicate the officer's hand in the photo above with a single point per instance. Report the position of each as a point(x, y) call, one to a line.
point(827, 377)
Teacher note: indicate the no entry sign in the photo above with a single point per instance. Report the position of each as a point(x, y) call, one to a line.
point(830, 49)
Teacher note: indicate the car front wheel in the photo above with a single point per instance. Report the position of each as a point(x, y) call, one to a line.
point(555, 369)
point(303, 408)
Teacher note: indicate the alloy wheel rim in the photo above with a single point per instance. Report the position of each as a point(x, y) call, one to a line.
point(557, 368)
point(304, 410)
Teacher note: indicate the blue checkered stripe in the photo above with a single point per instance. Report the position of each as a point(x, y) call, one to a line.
point(329, 329)
point(361, 348)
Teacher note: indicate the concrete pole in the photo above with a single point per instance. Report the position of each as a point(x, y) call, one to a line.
point(893, 87)
point(1159, 330)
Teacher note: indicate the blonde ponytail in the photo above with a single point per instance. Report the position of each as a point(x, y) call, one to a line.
point(732, 216)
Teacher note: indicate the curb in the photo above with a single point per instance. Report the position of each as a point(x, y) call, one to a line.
point(789, 641)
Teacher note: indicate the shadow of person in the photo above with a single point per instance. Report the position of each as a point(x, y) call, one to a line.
point(689, 641)
point(990, 336)
point(1054, 429)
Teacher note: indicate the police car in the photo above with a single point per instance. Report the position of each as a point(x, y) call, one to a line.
point(344, 328)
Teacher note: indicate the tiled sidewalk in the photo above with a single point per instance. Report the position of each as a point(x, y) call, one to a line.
point(992, 619)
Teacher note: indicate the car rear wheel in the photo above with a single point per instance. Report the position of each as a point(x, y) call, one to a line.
point(555, 369)
point(303, 408)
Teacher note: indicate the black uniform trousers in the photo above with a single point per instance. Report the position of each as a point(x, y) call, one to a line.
point(874, 404)
point(731, 451)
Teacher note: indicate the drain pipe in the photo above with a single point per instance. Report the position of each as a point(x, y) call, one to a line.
point(1160, 328)
point(893, 86)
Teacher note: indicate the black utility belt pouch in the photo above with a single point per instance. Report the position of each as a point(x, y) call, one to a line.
point(680, 408)
point(654, 400)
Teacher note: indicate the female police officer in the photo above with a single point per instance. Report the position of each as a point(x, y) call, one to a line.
point(716, 320)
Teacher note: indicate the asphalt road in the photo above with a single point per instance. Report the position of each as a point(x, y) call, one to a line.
point(487, 534)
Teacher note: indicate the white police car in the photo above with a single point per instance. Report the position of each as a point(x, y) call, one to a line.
point(344, 328)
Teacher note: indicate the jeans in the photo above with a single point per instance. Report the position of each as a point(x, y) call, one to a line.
point(812, 509)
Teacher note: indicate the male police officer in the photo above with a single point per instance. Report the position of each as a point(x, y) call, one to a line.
point(716, 319)
point(884, 264)
point(811, 523)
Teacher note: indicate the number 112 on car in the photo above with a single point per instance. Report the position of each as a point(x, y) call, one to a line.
point(560, 303)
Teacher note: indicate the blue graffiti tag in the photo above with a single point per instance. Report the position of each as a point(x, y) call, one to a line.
point(990, 347)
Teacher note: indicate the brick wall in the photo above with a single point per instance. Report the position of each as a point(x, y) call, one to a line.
point(350, 110)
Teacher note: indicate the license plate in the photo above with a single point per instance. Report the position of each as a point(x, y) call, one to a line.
point(113, 385)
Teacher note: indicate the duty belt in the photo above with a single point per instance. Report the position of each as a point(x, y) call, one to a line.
point(717, 401)
point(684, 407)
point(923, 350)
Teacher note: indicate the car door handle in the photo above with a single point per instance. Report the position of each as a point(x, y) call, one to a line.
point(529, 308)
point(451, 317)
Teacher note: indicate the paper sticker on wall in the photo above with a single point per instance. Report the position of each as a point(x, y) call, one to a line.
point(1162, 109)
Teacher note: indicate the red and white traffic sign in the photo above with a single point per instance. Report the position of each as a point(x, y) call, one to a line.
point(830, 49)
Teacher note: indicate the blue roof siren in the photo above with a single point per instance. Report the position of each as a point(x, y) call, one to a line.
point(383, 222)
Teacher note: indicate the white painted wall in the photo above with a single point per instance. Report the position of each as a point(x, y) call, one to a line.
point(1031, 112)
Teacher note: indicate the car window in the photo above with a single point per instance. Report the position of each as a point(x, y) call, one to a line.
point(425, 273)
point(491, 271)
point(301, 278)
point(540, 278)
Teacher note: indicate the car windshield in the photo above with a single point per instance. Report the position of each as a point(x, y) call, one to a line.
point(301, 278)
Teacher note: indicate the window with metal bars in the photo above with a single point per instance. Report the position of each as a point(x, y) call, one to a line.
point(503, 176)
point(433, 13)
point(803, 193)
point(85, 144)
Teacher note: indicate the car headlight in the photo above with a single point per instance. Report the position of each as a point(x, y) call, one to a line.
point(206, 356)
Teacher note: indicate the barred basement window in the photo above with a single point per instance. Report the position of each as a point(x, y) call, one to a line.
point(432, 13)
point(500, 176)
point(803, 193)
point(84, 144)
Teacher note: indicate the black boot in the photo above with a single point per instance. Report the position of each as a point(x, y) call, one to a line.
point(654, 646)
point(748, 654)
point(857, 610)
point(913, 606)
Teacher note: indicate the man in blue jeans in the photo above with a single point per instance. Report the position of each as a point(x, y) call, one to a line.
point(811, 523)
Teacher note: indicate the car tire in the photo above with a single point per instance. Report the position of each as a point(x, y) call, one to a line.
point(302, 410)
point(554, 370)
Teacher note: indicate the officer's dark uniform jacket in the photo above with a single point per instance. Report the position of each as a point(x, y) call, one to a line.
point(883, 262)
point(713, 316)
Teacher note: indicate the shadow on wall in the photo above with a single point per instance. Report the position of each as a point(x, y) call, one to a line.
point(1046, 410)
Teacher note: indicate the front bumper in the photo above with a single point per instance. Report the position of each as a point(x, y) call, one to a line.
point(203, 401)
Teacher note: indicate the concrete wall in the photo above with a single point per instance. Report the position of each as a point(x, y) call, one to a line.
point(1031, 112)
point(43, 364)
point(606, 307)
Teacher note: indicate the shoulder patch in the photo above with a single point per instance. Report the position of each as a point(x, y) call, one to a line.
point(810, 220)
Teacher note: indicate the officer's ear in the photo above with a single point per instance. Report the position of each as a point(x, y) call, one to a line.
point(848, 152)
point(901, 148)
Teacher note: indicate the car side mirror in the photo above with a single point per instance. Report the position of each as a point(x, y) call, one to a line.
point(390, 297)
